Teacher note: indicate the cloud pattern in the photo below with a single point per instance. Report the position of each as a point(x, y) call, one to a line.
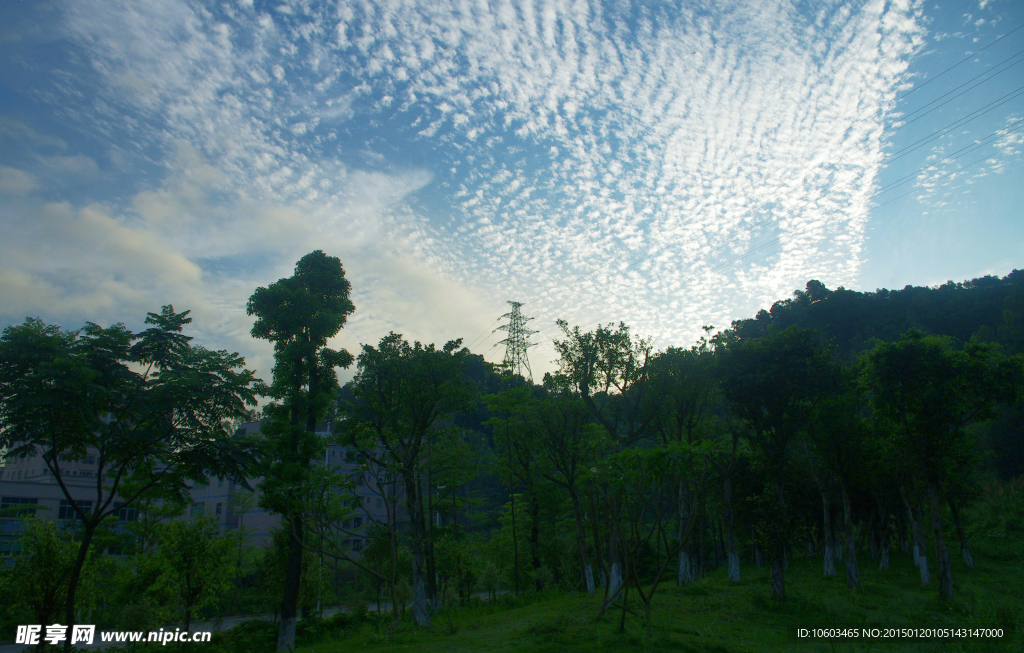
point(598, 161)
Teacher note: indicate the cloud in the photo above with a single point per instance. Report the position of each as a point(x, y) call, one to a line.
point(594, 160)
point(16, 182)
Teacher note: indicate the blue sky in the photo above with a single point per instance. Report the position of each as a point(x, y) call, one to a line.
point(665, 164)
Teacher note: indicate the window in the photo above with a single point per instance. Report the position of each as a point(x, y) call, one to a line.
point(357, 545)
point(219, 507)
point(220, 483)
point(378, 504)
point(67, 511)
point(15, 502)
point(197, 508)
point(125, 514)
point(350, 456)
point(357, 522)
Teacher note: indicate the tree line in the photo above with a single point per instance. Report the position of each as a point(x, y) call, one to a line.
point(823, 427)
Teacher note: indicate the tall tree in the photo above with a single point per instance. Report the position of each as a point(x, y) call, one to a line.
point(151, 407)
point(299, 314)
point(837, 436)
point(772, 383)
point(608, 368)
point(929, 392)
point(402, 394)
point(568, 440)
point(681, 386)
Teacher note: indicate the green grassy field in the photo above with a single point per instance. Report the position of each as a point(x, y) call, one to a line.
point(715, 615)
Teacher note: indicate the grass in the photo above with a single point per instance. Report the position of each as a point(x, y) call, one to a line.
point(709, 616)
point(714, 615)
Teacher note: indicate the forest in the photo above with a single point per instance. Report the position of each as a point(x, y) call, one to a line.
point(843, 460)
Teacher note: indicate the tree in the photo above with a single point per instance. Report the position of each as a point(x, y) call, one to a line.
point(772, 383)
point(38, 576)
point(402, 394)
point(644, 480)
point(928, 392)
point(151, 407)
point(568, 439)
point(608, 368)
point(838, 446)
point(681, 386)
point(299, 314)
point(196, 564)
point(511, 426)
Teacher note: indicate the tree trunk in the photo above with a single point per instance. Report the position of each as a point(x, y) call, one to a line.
point(757, 556)
point(919, 546)
point(292, 581)
point(941, 554)
point(873, 537)
point(852, 572)
point(837, 539)
point(535, 540)
point(428, 548)
point(420, 609)
point(684, 575)
point(828, 557)
point(885, 535)
point(76, 575)
point(720, 552)
point(420, 606)
point(595, 525)
point(586, 571)
point(779, 553)
point(778, 577)
point(515, 548)
point(734, 556)
point(964, 549)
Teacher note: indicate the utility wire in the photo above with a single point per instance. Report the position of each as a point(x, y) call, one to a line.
point(974, 146)
point(893, 156)
point(829, 188)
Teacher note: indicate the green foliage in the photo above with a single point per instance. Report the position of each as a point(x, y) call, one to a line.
point(196, 562)
point(151, 407)
point(927, 392)
point(36, 581)
point(996, 520)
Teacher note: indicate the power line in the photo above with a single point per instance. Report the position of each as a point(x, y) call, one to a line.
point(893, 156)
point(829, 188)
point(974, 146)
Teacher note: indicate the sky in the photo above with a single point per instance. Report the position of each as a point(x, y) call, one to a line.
point(664, 164)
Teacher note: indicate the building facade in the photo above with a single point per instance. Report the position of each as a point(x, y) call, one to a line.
point(27, 486)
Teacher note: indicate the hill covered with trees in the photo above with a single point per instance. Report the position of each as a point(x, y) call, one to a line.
point(842, 459)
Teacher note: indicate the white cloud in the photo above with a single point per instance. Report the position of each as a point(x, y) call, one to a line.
point(584, 136)
point(16, 182)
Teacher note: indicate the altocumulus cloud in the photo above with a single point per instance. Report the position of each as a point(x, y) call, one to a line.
point(600, 161)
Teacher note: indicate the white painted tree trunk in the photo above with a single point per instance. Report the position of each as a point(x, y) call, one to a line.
point(590, 580)
point(685, 572)
point(420, 608)
point(734, 566)
point(286, 635)
point(614, 581)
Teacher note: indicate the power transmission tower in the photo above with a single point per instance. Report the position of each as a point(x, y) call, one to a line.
point(517, 342)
